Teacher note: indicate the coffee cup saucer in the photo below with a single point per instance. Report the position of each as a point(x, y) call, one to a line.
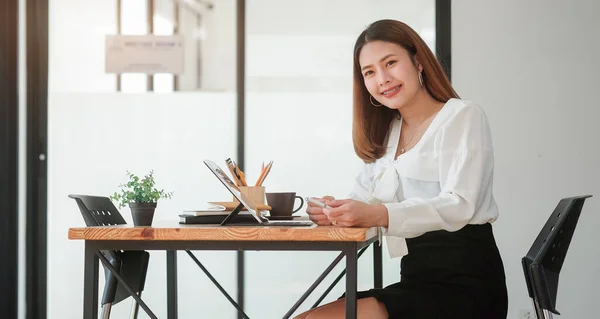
point(280, 217)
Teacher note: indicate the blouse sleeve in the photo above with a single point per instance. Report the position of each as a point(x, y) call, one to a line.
point(466, 165)
point(361, 191)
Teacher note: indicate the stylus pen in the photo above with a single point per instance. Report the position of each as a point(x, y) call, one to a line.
point(316, 202)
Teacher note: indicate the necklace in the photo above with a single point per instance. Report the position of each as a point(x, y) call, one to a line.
point(403, 145)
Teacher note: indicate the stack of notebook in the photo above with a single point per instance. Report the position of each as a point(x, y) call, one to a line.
point(212, 214)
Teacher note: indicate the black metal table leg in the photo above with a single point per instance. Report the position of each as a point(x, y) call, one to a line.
point(171, 284)
point(214, 281)
point(377, 266)
point(240, 279)
point(90, 283)
point(335, 282)
point(351, 278)
point(313, 286)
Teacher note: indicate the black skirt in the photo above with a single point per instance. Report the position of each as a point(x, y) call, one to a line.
point(448, 275)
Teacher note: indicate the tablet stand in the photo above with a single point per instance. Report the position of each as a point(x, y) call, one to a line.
point(231, 218)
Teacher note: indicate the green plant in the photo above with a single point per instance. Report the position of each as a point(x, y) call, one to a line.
point(139, 190)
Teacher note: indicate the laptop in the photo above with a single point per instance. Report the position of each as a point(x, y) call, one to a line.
point(259, 220)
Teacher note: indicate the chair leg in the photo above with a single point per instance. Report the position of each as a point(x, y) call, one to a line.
point(547, 314)
point(539, 314)
point(135, 307)
point(106, 310)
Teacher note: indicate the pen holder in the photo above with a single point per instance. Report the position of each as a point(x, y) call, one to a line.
point(255, 194)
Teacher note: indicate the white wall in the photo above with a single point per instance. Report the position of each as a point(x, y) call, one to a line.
point(533, 66)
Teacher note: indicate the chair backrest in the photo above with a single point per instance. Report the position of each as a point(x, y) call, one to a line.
point(132, 265)
point(98, 210)
point(545, 258)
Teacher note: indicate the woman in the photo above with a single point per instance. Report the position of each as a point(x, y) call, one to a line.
point(427, 182)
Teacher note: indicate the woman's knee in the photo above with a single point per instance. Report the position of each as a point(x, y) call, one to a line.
point(366, 308)
point(328, 311)
point(372, 308)
point(302, 315)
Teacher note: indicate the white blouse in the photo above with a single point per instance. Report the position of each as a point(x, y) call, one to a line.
point(443, 183)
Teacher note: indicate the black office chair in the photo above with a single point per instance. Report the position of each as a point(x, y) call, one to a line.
point(545, 258)
point(131, 265)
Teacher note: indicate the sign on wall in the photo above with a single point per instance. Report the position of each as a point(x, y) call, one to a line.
point(147, 54)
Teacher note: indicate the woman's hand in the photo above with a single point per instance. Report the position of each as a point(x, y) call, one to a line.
point(315, 213)
point(349, 213)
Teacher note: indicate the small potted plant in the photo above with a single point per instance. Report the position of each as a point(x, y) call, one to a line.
point(142, 196)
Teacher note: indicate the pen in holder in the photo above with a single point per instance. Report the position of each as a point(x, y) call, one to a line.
point(255, 194)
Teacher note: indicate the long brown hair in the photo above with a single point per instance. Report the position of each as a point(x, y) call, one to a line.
point(371, 124)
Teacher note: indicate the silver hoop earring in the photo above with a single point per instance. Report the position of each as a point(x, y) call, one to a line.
point(421, 78)
point(371, 100)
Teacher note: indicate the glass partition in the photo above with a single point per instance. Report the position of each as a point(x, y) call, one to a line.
point(94, 138)
point(77, 47)
point(96, 134)
point(299, 114)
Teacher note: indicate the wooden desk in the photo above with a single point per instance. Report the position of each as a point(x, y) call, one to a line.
point(172, 237)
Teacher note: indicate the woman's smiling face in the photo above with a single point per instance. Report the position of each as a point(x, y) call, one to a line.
point(389, 73)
